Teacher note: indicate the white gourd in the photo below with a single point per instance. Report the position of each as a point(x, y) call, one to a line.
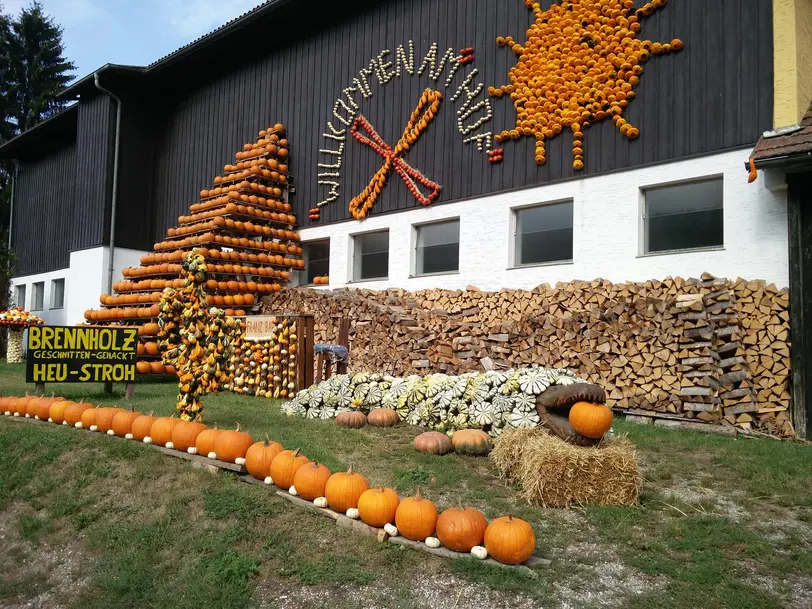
point(129, 436)
point(212, 455)
point(95, 428)
point(147, 440)
point(292, 491)
point(240, 461)
point(110, 432)
point(432, 542)
point(268, 480)
point(390, 529)
point(479, 552)
point(191, 450)
point(353, 513)
point(320, 502)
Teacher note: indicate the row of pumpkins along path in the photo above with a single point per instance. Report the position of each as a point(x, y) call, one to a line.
point(462, 529)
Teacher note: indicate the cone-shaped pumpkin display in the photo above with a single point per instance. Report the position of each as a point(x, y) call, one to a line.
point(344, 489)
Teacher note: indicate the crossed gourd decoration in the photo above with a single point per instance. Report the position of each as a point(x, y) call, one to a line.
point(196, 340)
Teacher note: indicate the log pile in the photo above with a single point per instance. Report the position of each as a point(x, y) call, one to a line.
point(704, 349)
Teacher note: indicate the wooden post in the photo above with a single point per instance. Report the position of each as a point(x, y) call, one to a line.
point(799, 219)
point(344, 341)
point(39, 388)
point(129, 391)
point(319, 367)
point(307, 379)
point(108, 388)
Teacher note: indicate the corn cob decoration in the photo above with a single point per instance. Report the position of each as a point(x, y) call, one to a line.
point(197, 340)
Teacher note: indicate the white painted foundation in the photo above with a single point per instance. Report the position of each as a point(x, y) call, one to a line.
point(607, 233)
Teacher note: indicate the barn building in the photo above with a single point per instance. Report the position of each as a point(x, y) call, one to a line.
point(480, 208)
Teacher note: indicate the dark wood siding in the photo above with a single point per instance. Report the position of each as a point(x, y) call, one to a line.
point(90, 220)
point(43, 198)
point(714, 95)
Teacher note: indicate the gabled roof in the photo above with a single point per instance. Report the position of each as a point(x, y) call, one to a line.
point(51, 133)
point(787, 147)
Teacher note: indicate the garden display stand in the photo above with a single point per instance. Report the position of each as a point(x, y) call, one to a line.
point(16, 320)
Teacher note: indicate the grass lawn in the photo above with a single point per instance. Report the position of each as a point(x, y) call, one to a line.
point(88, 522)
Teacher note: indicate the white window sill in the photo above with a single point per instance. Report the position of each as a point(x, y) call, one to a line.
point(440, 274)
point(695, 250)
point(368, 280)
point(540, 264)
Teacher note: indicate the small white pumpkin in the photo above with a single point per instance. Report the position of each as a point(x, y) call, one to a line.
point(7, 413)
point(147, 440)
point(27, 416)
point(353, 513)
point(432, 542)
point(268, 480)
point(16, 414)
point(50, 420)
point(36, 418)
point(212, 455)
point(191, 450)
point(390, 529)
point(78, 425)
point(65, 423)
point(292, 491)
point(95, 428)
point(128, 436)
point(240, 460)
point(169, 445)
point(479, 552)
point(110, 432)
point(320, 502)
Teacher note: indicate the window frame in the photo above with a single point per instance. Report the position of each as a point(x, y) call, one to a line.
point(34, 306)
point(415, 272)
point(54, 283)
point(304, 245)
point(514, 226)
point(352, 252)
point(643, 238)
point(17, 288)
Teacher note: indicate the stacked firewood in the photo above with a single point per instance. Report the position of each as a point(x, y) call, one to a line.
point(673, 348)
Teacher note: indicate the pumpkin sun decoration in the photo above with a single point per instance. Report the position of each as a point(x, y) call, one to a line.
point(580, 65)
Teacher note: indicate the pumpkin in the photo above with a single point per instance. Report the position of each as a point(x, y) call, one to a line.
point(433, 442)
point(259, 456)
point(21, 405)
point(284, 467)
point(88, 419)
point(142, 426)
point(460, 529)
point(310, 480)
point(383, 417)
point(354, 419)
point(31, 407)
point(204, 444)
point(42, 409)
point(104, 418)
point(161, 431)
point(510, 540)
point(185, 435)
point(344, 489)
point(73, 413)
point(377, 506)
point(416, 517)
point(590, 420)
point(232, 445)
point(473, 442)
point(123, 422)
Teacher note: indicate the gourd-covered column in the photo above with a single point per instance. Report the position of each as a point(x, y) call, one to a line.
point(17, 320)
point(196, 340)
point(14, 349)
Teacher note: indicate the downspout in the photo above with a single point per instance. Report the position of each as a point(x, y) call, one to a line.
point(115, 182)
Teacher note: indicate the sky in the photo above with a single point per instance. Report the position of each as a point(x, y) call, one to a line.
point(132, 32)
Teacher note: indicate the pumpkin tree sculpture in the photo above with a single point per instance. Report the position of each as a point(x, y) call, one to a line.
point(196, 340)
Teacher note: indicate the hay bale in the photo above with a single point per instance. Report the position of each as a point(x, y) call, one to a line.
point(557, 474)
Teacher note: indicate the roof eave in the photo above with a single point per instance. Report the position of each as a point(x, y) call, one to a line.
point(8, 150)
point(74, 90)
point(788, 162)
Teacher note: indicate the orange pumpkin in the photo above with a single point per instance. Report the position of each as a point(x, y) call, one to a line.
point(460, 529)
point(510, 540)
point(284, 467)
point(21, 405)
point(473, 442)
point(344, 489)
point(73, 413)
point(377, 506)
point(433, 442)
point(161, 430)
point(590, 420)
point(416, 517)
point(310, 480)
point(142, 426)
point(185, 435)
point(88, 418)
point(104, 418)
point(383, 417)
point(31, 407)
point(259, 457)
point(232, 445)
point(123, 422)
point(42, 409)
point(204, 444)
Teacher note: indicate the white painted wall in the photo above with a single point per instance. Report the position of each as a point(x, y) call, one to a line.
point(85, 281)
point(607, 233)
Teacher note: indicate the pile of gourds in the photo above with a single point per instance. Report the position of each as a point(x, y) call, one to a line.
point(195, 340)
point(16, 320)
point(266, 368)
point(491, 401)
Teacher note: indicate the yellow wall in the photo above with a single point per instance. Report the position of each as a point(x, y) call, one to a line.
point(792, 59)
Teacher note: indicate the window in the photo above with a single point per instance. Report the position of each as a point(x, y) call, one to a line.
point(684, 216)
point(370, 256)
point(57, 293)
point(543, 234)
point(437, 247)
point(38, 296)
point(19, 296)
point(317, 259)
